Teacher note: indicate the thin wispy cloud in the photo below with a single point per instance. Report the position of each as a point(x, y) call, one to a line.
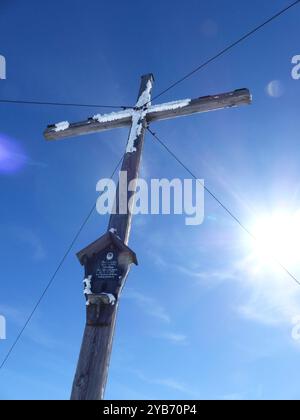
point(28, 239)
point(169, 383)
point(175, 385)
point(157, 259)
point(209, 276)
point(270, 296)
point(35, 332)
point(149, 305)
point(233, 397)
point(153, 308)
point(174, 338)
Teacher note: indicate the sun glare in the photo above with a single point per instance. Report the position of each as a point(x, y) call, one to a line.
point(278, 238)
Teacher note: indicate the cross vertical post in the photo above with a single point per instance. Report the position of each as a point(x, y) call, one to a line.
point(102, 302)
point(121, 221)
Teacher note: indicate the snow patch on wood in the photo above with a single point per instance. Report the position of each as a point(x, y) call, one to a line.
point(169, 106)
point(62, 126)
point(87, 288)
point(138, 117)
point(113, 116)
point(109, 298)
point(136, 130)
point(145, 98)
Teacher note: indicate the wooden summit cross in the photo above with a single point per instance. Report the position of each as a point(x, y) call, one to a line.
point(107, 261)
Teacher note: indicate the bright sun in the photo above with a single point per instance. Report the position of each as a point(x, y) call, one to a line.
point(278, 237)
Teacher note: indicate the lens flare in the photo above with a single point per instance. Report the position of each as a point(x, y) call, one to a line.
point(278, 238)
point(12, 158)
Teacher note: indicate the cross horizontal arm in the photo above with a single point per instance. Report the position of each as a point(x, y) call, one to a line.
point(92, 125)
point(199, 105)
point(153, 113)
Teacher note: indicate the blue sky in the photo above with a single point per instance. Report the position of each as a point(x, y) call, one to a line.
point(199, 318)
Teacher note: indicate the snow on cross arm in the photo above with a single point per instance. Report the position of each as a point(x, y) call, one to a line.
point(64, 125)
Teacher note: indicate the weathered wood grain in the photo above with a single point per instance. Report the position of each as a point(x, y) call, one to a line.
point(91, 375)
point(201, 105)
point(92, 369)
point(195, 106)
